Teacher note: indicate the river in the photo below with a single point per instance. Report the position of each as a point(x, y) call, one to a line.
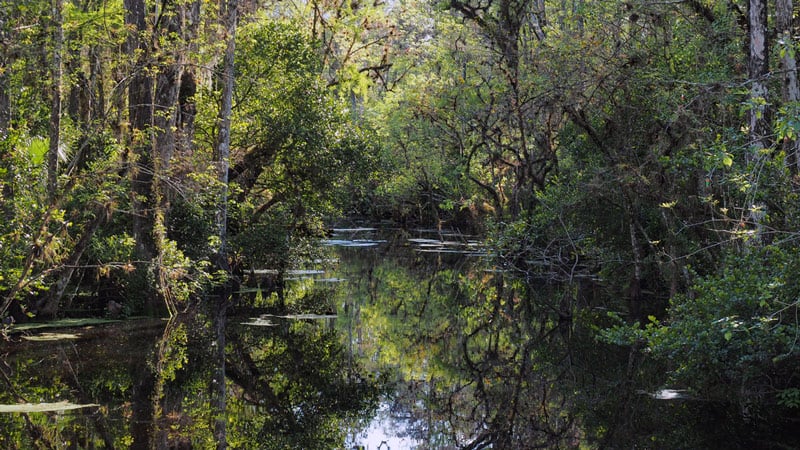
point(385, 339)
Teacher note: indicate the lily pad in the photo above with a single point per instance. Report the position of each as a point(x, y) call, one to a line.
point(62, 323)
point(43, 407)
point(289, 272)
point(351, 243)
point(42, 337)
point(303, 316)
point(260, 323)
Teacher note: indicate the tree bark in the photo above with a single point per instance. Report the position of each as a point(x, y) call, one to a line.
point(758, 116)
point(140, 110)
point(758, 69)
point(6, 157)
point(791, 89)
point(165, 113)
point(168, 84)
point(223, 155)
point(224, 137)
point(55, 111)
point(635, 288)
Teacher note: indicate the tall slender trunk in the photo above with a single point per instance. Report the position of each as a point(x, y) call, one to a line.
point(55, 112)
point(223, 155)
point(791, 88)
point(6, 156)
point(758, 116)
point(758, 69)
point(635, 288)
point(224, 138)
point(5, 101)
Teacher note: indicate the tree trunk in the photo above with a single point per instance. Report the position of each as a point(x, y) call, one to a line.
point(168, 86)
point(5, 101)
point(190, 20)
point(166, 101)
point(223, 154)
point(791, 89)
point(165, 111)
point(55, 112)
point(758, 116)
point(140, 110)
point(6, 156)
point(635, 288)
point(140, 155)
point(224, 138)
point(758, 69)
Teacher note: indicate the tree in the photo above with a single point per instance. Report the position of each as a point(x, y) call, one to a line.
point(784, 14)
point(140, 110)
point(6, 168)
point(55, 109)
point(229, 15)
point(757, 71)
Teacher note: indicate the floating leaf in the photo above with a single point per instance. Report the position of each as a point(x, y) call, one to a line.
point(43, 407)
point(351, 243)
point(302, 316)
point(260, 323)
point(42, 337)
point(63, 323)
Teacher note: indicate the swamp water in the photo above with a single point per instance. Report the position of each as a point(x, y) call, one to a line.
point(392, 340)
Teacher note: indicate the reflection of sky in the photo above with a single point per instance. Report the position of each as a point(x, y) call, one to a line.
point(382, 434)
point(385, 430)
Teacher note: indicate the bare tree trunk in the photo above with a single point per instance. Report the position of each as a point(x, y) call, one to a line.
point(224, 138)
point(5, 101)
point(55, 112)
point(140, 110)
point(791, 89)
point(635, 288)
point(7, 192)
point(758, 116)
point(168, 83)
point(758, 69)
point(223, 154)
point(190, 20)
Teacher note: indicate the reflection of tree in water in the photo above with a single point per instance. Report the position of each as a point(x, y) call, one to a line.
point(482, 357)
point(289, 386)
point(495, 384)
point(296, 381)
point(486, 360)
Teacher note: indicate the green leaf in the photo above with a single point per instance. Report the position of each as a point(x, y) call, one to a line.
point(37, 150)
point(727, 161)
